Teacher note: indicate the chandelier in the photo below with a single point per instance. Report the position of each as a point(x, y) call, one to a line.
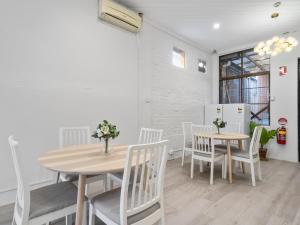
point(275, 46)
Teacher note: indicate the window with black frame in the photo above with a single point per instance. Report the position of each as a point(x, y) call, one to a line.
point(245, 78)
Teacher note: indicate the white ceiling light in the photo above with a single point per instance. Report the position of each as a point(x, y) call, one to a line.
point(275, 46)
point(216, 26)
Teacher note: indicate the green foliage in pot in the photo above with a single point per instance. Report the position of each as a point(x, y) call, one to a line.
point(266, 135)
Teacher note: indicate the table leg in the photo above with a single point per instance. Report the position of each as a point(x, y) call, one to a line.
point(80, 199)
point(229, 162)
point(241, 149)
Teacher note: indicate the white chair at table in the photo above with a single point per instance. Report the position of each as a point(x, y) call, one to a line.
point(187, 139)
point(251, 156)
point(147, 136)
point(135, 203)
point(42, 205)
point(77, 136)
point(204, 149)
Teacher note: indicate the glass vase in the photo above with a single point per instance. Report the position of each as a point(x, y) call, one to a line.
point(106, 145)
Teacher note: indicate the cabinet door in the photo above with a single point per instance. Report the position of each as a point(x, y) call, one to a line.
point(237, 113)
point(212, 112)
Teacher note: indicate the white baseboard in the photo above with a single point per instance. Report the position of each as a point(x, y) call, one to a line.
point(8, 195)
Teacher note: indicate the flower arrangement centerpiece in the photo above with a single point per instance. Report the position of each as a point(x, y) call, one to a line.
point(106, 130)
point(219, 124)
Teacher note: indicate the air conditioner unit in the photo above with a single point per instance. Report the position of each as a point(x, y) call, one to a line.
point(119, 15)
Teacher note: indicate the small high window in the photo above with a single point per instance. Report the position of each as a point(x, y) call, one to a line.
point(178, 58)
point(202, 66)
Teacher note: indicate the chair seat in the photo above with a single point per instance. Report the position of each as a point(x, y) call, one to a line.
point(217, 153)
point(51, 198)
point(73, 177)
point(108, 204)
point(242, 154)
point(119, 175)
point(223, 148)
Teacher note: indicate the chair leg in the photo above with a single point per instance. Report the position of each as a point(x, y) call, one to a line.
point(259, 170)
point(252, 174)
point(182, 158)
point(85, 213)
point(192, 168)
point(69, 220)
point(91, 215)
point(162, 205)
point(225, 167)
point(201, 166)
point(243, 167)
point(212, 172)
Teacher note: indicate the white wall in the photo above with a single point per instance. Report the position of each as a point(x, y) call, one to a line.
point(61, 66)
point(284, 92)
point(169, 94)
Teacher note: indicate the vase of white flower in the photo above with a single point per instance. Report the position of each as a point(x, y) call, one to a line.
point(219, 124)
point(106, 130)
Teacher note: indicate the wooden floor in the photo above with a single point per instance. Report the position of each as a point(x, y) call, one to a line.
point(274, 201)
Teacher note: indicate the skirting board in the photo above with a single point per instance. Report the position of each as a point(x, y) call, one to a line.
point(8, 195)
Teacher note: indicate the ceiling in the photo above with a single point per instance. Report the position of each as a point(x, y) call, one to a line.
point(242, 22)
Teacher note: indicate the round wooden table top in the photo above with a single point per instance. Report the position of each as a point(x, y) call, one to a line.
point(87, 159)
point(226, 136)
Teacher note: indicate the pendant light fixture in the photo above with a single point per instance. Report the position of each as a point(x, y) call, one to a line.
point(276, 45)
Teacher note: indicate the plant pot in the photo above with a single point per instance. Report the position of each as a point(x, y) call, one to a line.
point(263, 154)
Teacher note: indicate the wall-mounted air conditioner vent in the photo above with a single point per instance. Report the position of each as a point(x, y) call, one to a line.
point(119, 15)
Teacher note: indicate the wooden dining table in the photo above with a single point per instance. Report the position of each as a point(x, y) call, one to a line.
point(85, 160)
point(228, 138)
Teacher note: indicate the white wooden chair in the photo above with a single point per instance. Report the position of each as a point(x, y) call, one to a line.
point(42, 205)
point(72, 136)
point(147, 136)
point(77, 136)
point(204, 149)
point(187, 139)
point(139, 201)
point(251, 156)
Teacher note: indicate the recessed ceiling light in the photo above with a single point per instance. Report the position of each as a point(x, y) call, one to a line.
point(216, 26)
point(274, 15)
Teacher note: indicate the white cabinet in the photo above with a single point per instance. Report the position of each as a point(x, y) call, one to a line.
point(212, 112)
point(231, 113)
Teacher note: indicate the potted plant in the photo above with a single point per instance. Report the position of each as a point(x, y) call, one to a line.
point(106, 131)
point(219, 124)
point(266, 136)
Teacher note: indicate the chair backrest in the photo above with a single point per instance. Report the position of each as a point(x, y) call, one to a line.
point(234, 127)
point(149, 135)
point(255, 141)
point(22, 203)
point(146, 184)
point(73, 136)
point(202, 139)
point(187, 135)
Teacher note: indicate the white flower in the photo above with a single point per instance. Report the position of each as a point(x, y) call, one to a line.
point(105, 129)
point(98, 131)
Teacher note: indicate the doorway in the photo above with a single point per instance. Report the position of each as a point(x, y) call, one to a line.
point(298, 109)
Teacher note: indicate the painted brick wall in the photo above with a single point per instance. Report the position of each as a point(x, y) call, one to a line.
point(173, 95)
